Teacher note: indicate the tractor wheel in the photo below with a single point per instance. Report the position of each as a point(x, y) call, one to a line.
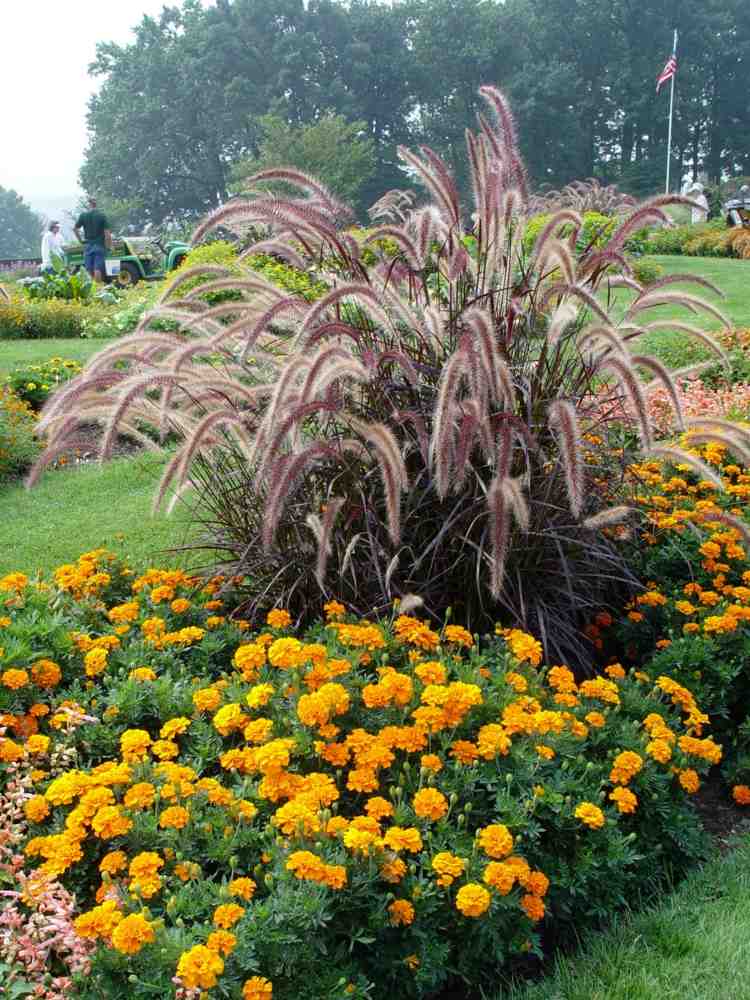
point(128, 276)
point(178, 261)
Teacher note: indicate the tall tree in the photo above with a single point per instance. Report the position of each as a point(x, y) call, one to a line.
point(20, 227)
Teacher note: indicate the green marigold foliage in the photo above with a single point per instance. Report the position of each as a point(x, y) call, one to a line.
point(34, 383)
point(370, 807)
point(18, 446)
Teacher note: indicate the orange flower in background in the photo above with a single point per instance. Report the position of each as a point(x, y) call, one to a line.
point(402, 912)
point(430, 804)
point(278, 618)
point(741, 795)
point(257, 988)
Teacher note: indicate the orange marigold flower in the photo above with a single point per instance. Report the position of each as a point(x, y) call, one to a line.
point(430, 804)
point(431, 762)
point(495, 840)
point(222, 942)
point(624, 799)
point(227, 915)
point(257, 988)
point(131, 934)
point(741, 795)
point(402, 912)
point(242, 887)
point(175, 817)
point(532, 906)
point(689, 780)
point(278, 618)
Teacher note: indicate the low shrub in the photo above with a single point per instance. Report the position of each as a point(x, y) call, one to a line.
point(20, 319)
point(646, 271)
point(366, 808)
point(596, 231)
point(60, 283)
point(34, 383)
point(18, 446)
point(703, 239)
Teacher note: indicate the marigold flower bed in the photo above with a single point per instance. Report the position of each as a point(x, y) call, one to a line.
point(371, 806)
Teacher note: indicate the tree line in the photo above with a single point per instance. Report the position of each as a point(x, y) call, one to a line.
point(201, 90)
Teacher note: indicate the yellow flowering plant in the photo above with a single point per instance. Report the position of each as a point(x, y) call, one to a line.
point(271, 812)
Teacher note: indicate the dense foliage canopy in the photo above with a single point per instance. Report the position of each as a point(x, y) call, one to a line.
point(20, 227)
point(185, 100)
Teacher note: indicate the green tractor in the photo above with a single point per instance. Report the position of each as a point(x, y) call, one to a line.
point(131, 259)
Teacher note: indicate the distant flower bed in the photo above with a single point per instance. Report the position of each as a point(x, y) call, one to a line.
point(370, 806)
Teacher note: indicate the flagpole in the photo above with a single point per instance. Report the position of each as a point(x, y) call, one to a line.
point(671, 111)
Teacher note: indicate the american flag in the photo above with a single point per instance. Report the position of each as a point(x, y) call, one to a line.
point(667, 73)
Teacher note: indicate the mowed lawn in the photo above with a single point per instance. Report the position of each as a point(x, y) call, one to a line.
point(15, 353)
point(676, 348)
point(695, 945)
point(79, 508)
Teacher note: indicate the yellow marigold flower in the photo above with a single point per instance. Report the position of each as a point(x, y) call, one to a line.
point(448, 866)
point(131, 934)
point(37, 744)
point(99, 922)
point(278, 618)
point(179, 605)
point(109, 822)
point(690, 628)
point(174, 727)
point(13, 582)
point(403, 839)
point(259, 695)
point(175, 817)
point(199, 967)
point(464, 751)
point(142, 674)
point(492, 740)
point(472, 900)
point(227, 915)
point(257, 988)
point(685, 607)
point(95, 661)
point(286, 653)
point(36, 809)
point(741, 795)
point(590, 814)
point(134, 744)
point(228, 718)
point(624, 799)
point(495, 840)
point(544, 751)
point(393, 871)
point(430, 804)
point(222, 942)
point(14, 679)
point(561, 679)
point(165, 749)
point(402, 912)
point(249, 659)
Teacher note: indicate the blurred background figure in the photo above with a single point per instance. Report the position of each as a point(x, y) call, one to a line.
point(52, 247)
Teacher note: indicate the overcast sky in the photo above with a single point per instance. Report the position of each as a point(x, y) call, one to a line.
point(45, 49)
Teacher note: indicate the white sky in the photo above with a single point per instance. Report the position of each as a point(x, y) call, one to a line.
point(45, 49)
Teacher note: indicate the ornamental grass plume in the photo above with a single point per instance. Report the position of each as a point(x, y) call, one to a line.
point(425, 426)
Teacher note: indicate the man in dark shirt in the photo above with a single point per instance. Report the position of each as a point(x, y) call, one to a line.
point(96, 235)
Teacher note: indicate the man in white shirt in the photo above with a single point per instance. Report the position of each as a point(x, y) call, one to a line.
point(52, 247)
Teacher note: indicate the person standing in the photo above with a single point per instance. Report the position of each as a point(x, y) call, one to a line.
point(699, 211)
point(96, 236)
point(52, 247)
